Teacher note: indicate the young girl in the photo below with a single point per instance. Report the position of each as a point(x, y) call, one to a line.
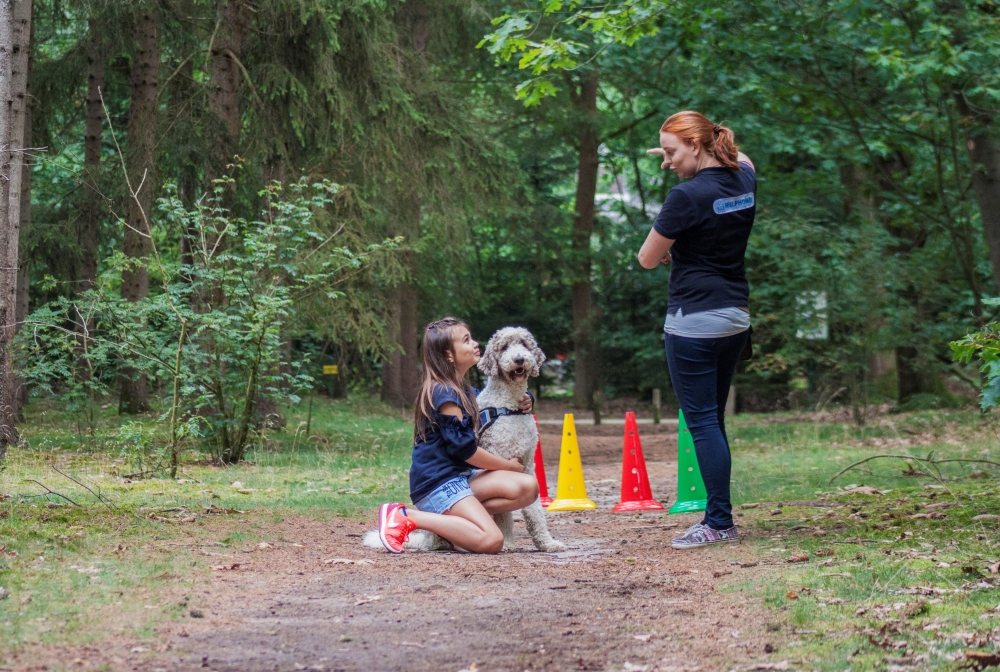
point(455, 485)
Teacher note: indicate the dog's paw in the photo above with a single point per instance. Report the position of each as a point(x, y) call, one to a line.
point(509, 547)
point(553, 547)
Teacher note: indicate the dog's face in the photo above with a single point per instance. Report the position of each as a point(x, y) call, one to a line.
point(512, 354)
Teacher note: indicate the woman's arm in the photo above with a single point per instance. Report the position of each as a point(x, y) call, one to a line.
point(743, 158)
point(656, 249)
point(482, 459)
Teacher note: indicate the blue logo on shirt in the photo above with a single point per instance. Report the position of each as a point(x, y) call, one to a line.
point(726, 205)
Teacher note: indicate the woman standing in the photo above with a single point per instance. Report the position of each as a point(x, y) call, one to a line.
point(703, 230)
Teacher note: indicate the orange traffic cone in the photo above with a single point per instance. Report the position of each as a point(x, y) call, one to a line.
point(543, 487)
point(636, 494)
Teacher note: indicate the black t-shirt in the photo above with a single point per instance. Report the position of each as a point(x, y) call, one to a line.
point(709, 217)
point(448, 443)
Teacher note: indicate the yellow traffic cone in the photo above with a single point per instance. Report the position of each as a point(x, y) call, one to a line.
point(571, 492)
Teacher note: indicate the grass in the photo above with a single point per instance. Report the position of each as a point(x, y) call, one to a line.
point(884, 585)
point(74, 571)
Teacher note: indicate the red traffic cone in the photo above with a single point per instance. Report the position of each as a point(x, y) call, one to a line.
point(636, 494)
point(543, 488)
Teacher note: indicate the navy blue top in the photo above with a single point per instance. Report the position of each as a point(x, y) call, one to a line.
point(448, 443)
point(709, 217)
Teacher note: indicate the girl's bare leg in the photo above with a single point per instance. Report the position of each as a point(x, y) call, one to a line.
point(467, 525)
point(503, 491)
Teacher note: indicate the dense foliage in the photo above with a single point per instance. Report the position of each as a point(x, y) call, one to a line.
point(462, 178)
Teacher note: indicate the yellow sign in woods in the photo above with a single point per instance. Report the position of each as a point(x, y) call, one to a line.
point(330, 369)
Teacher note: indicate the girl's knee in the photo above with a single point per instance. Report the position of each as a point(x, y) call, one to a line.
point(491, 543)
point(529, 489)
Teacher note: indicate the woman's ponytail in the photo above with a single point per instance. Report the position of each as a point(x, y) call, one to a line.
point(724, 148)
point(717, 140)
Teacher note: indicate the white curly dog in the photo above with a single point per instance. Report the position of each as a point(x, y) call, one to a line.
point(511, 357)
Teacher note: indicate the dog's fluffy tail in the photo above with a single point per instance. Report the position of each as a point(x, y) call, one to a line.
point(420, 540)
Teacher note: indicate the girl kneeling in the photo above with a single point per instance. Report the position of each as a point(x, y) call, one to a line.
point(455, 485)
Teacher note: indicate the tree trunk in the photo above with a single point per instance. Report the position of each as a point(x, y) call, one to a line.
point(142, 124)
point(984, 154)
point(15, 32)
point(90, 212)
point(401, 372)
point(586, 370)
point(23, 277)
point(223, 121)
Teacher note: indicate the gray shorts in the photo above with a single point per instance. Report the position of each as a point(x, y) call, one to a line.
point(448, 494)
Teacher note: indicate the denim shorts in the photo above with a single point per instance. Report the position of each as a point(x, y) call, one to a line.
point(448, 494)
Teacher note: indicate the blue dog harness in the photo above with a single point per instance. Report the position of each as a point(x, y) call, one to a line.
point(488, 416)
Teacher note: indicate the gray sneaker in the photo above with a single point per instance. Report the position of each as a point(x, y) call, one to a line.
point(703, 535)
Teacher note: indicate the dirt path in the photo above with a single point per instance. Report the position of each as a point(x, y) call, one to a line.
point(620, 598)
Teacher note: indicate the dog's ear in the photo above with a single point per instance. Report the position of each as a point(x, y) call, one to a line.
point(537, 354)
point(489, 363)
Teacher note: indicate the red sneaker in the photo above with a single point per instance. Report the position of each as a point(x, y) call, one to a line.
point(394, 526)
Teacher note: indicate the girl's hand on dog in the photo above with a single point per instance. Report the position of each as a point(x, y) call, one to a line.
point(525, 404)
point(515, 464)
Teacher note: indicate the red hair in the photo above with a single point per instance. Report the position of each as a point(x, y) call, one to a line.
point(717, 140)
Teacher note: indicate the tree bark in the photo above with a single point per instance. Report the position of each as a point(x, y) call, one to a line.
point(401, 371)
point(223, 121)
point(140, 163)
point(15, 32)
point(23, 276)
point(586, 368)
point(90, 215)
point(984, 154)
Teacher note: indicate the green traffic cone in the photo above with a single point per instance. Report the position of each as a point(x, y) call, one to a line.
point(691, 495)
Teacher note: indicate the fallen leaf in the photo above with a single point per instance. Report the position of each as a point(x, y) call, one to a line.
point(986, 516)
point(819, 533)
point(749, 506)
point(264, 546)
point(244, 491)
point(775, 512)
point(994, 568)
point(782, 665)
point(798, 557)
point(722, 572)
point(980, 660)
point(225, 568)
point(642, 638)
point(862, 490)
point(139, 649)
point(823, 552)
point(419, 646)
point(368, 598)
point(791, 595)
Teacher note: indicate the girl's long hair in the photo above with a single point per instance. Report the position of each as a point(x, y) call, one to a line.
point(438, 342)
point(716, 139)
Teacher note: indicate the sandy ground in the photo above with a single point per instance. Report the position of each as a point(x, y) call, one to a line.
point(619, 599)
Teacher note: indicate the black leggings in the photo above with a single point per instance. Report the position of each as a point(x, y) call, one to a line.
point(701, 371)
